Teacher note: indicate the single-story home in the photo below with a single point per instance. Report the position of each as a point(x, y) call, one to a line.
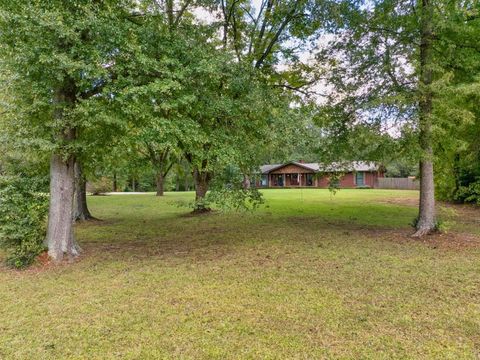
point(300, 174)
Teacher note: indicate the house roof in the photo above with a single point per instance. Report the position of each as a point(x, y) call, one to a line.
point(319, 167)
point(349, 166)
point(265, 169)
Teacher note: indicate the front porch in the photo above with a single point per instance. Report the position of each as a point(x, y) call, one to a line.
point(291, 180)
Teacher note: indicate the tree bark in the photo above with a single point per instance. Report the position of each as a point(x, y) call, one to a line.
point(201, 179)
point(115, 182)
point(80, 212)
point(60, 237)
point(426, 215)
point(169, 11)
point(159, 181)
point(177, 182)
point(246, 182)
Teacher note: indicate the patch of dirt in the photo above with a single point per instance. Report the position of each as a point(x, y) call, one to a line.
point(399, 201)
point(463, 213)
point(43, 259)
point(89, 220)
point(95, 222)
point(449, 240)
point(199, 212)
point(42, 263)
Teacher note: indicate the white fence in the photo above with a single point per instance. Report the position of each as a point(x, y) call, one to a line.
point(398, 183)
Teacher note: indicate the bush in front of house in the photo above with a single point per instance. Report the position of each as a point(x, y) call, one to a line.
point(363, 187)
point(23, 216)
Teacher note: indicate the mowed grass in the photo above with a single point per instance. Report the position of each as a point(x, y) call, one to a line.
point(307, 276)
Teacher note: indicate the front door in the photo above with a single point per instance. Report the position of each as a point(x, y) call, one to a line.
point(360, 178)
point(277, 180)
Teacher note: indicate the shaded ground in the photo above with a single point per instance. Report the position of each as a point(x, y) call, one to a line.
point(307, 276)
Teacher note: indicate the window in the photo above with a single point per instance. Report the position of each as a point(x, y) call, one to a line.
point(360, 178)
point(263, 181)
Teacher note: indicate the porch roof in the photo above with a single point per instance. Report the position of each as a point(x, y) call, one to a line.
point(320, 167)
point(265, 169)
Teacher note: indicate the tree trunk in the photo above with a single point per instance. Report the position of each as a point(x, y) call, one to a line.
point(426, 217)
point(456, 174)
point(159, 181)
point(80, 211)
point(201, 179)
point(169, 11)
point(177, 183)
point(115, 182)
point(60, 238)
point(246, 182)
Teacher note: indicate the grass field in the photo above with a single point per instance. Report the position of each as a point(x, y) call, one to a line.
point(307, 276)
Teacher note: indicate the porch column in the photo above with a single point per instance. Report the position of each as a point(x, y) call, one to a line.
point(284, 180)
point(299, 179)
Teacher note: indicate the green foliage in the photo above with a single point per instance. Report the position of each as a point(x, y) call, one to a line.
point(23, 211)
point(229, 192)
point(100, 185)
point(334, 182)
point(401, 168)
point(374, 67)
point(469, 194)
point(235, 199)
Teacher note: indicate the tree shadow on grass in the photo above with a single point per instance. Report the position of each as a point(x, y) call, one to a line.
point(209, 238)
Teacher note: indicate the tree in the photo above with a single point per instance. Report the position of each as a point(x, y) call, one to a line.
point(58, 55)
point(386, 68)
point(258, 39)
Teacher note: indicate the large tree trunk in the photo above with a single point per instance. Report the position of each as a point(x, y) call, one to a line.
point(159, 181)
point(60, 238)
point(426, 217)
point(202, 179)
point(80, 210)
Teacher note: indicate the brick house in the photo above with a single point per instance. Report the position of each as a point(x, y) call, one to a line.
point(300, 174)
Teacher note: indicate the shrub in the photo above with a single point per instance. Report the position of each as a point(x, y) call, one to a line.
point(100, 186)
point(23, 212)
point(469, 194)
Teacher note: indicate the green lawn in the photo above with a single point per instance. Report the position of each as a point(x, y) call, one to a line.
point(307, 276)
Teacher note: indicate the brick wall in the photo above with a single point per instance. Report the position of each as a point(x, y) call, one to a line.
point(348, 181)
